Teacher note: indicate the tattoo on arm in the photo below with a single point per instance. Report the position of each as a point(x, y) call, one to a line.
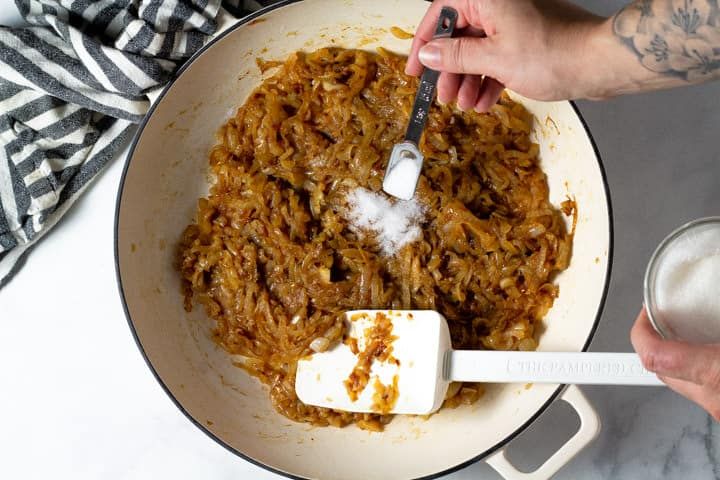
point(673, 37)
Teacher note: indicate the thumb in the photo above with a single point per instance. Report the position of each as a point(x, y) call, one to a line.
point(699, 363)
point(469, 55)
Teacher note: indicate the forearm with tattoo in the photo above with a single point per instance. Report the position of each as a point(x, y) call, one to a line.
point(679, 38)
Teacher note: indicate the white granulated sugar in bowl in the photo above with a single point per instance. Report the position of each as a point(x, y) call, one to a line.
point(688, 286)
point(395, 223)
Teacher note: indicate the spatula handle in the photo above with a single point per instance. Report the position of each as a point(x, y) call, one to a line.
point(581, 368)
point(428, 80)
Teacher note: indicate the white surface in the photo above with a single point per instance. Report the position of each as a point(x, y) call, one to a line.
point(77, 401)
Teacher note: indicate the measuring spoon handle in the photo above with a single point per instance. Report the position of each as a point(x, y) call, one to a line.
point(428, 81)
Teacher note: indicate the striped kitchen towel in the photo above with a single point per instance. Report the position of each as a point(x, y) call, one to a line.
point(72, 84)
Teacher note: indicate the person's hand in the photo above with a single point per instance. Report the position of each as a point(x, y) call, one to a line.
point(534, 48)
point(554, 50)
point(691, 370)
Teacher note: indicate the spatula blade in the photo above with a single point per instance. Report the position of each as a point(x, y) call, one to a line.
point(422, 340)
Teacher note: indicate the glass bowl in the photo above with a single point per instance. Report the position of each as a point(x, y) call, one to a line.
point(678, 309)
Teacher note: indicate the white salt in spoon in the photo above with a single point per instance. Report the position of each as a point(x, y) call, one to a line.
point(426, 364)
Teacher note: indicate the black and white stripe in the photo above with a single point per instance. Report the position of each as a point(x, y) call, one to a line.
point(71, 87)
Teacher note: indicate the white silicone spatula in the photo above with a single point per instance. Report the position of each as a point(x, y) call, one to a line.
point(422, 363)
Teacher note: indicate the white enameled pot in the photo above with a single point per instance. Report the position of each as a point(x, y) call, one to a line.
point(167, 172)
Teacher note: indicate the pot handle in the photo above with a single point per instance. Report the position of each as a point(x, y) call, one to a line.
point(589, 429)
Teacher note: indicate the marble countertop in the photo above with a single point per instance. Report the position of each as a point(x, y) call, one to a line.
point(77, 401)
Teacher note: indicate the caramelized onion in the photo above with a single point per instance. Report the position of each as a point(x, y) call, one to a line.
point(275, 264)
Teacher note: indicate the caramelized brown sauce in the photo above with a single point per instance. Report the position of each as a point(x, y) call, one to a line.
point(378, 347)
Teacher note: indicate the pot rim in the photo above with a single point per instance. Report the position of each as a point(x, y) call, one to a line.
point(199, 424)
